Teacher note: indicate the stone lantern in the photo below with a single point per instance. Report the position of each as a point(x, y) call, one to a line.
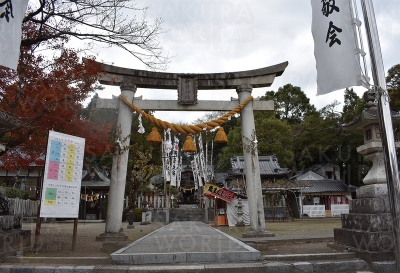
point(372, 148)
point(239, 206)
point(367, 229)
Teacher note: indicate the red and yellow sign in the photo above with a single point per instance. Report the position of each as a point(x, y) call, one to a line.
point(211, 190)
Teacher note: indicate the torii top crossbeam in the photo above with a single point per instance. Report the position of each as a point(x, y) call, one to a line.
point(262, 77)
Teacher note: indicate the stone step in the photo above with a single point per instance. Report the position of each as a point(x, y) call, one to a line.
point(311, 257)
point(342, 266)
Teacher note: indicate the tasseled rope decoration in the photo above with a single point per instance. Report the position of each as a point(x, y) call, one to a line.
point(189, 129)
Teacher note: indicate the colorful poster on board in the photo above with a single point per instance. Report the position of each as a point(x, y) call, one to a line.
point(62, 176)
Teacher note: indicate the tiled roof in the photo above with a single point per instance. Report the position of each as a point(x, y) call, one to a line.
point(95, 184)
point(316, 172)
point(95, 177)
point(320, 186)
point(310, 176)
point(269, 166)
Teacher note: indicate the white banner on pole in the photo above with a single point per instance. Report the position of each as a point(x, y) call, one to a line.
point(179, 173)
point(175, 162)
point(197, 163)
point(62, 176)
point(195, 177)
point(11, 16)
point(167, 145)
point(335, 45)
point(202, 163)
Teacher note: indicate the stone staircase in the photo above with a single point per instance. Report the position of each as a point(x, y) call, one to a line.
point(187, 213)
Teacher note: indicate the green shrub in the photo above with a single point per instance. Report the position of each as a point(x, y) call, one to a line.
point(4, 205)
point(15, 193)
point(137, 215)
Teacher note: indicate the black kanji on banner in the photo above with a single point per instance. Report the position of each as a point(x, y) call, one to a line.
point(6, 7)
point(331, 35)
point(328, 7)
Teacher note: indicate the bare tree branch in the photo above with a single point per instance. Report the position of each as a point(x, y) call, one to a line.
point(108, 22)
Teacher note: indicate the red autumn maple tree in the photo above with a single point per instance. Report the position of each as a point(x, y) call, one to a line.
point(47, 94)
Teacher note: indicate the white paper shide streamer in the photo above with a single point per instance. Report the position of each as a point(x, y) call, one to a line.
point(141, 129)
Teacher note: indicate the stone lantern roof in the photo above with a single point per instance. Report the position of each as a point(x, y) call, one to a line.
point(367, 117)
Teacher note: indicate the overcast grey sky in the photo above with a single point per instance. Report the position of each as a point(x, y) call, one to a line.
point(226, 36)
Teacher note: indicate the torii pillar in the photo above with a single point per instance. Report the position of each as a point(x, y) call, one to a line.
point(252, 168)
point(119, 166)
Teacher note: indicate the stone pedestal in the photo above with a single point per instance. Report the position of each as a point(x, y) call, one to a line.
point(367, 229)
point(146, 217)
point(258, 233)
point(112, 237)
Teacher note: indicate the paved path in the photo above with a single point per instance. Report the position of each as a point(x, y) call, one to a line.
point(194, 247)
point(187, 241)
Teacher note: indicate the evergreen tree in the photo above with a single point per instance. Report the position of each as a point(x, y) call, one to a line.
point(393, 86)
point(291, 103)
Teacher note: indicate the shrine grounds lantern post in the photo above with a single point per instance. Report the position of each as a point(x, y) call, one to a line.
point(187, 86)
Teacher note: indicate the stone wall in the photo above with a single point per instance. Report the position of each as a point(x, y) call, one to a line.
point(8, 222)
point(11, 235)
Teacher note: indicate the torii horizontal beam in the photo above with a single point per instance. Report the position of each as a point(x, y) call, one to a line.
point(171, 105)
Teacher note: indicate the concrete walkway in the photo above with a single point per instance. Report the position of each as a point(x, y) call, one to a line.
point(185, 242)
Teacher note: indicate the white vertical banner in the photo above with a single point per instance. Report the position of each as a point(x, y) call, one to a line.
point(62, 176)
point(11, 16)
point(195, 177)
point(167, 145)
point(210, 168)
point(197, 163)
point(179, 173)
point(335, 45)
point(174, 162)
point(202, 161)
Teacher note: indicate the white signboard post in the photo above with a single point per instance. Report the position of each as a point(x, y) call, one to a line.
point(62, 176)
point(61, 181)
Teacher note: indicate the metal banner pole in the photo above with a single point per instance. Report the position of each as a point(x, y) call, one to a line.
point(385, 121)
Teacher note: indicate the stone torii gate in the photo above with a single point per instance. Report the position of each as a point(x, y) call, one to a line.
point(187, 85)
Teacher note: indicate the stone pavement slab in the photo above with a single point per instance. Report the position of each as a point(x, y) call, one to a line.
point(187, 241)
point(346, 266)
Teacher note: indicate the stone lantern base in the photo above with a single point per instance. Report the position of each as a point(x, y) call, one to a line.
point(367, 229)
